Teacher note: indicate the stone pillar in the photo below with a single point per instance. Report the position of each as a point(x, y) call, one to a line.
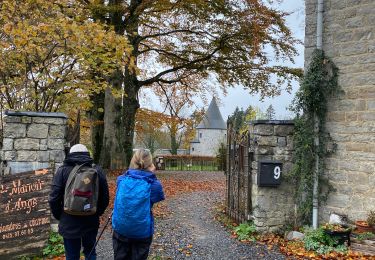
point(33, 140)
point(272, 141)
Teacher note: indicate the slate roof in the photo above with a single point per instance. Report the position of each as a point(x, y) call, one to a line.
point(212, 118)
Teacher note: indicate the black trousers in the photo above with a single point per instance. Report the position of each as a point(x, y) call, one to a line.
point(130, 249)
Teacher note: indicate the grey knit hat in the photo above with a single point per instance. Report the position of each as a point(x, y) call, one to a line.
point(78, 148)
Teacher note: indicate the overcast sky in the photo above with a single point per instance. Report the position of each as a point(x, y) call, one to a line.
point(240, 97)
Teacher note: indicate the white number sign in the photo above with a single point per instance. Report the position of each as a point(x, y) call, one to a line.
point(276, 172)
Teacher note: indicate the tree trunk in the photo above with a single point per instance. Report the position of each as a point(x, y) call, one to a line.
point(119, 121)
point(174, 144)
point(129, 110)
point(97, 124)
point(119, 117)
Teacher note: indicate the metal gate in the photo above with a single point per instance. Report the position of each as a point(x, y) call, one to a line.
point(238, 175)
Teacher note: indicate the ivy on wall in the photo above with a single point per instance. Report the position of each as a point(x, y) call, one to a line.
point(319, 83)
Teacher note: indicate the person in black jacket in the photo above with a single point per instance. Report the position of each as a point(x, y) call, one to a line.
point(77, 230)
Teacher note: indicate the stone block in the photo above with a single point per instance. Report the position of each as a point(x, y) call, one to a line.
point(367, 167)
point(10, 155)
point(43, 156)
point(361, 189)
point(341, 36)
point(25, 119)
point(371, 104)
point(350, 116)
point(366, 116)
point(289, 143)
point(7, 144)
point(363, 35)
point(358, 178)
point(49, 120)
point(281, 141)
point(280, 151)
point(27, 156)
point(275, 222)
point(264, 150)
point(352, 49)
point(338, 200)
point(282, 157)
point(267, 140)
point(284, 130)
point(57, 131)
point(348, 165)
point(354, 22)
point(356, 147)
point(263, 129)
point(43, 144)
point(56, 144)
point(12, 119)
point(336, 116)
point(295, 235)
point(37, 131)
point(57, 156)
point(26, 144)
point(14, 130)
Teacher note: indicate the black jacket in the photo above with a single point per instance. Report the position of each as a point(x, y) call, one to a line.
point(75, 226)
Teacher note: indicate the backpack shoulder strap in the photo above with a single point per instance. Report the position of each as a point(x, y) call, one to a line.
point(73, 173)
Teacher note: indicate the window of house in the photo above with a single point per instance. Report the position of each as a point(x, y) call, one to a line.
point(192, 149)
point(200, 135)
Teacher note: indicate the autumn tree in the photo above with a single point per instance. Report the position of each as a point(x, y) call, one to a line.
point(270, 112)
point(189, 132)
point(176, 98)
point(149, 129)
point(229, 42)
point(241, 118)
point(49, 54)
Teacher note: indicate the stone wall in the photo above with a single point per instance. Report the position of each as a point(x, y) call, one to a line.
point(349, 40)
point(33, 140)
point(273, 207)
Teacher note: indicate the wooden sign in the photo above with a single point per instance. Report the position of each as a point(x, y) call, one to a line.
point(24, 212)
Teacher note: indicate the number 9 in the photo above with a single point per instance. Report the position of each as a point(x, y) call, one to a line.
point(276, 172)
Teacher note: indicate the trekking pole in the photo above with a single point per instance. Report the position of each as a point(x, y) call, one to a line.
point(100, 235)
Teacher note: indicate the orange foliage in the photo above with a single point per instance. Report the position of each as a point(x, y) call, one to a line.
point(171, 188)
point(296, 249)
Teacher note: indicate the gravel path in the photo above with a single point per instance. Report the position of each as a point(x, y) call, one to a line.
point(190, 232)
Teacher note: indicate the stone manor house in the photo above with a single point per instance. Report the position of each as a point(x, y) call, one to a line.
point(349, 40)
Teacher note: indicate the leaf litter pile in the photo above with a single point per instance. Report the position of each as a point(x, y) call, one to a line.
point(173, 184)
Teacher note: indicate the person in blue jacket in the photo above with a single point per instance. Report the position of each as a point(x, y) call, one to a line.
point(77, 231)
point(127, 245)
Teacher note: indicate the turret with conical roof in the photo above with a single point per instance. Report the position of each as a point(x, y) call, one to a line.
point(210, 132)
point(212, 118)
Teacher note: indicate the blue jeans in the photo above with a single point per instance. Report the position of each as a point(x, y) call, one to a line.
point(73, 246)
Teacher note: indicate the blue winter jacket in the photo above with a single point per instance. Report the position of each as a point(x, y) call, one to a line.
point(157, 193)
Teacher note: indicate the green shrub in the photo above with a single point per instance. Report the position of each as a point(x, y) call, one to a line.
point(245, 231)
point(366, 235)
point(55, 245)
point(319, 241)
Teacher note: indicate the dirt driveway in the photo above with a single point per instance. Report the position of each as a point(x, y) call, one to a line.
point(185, 226)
